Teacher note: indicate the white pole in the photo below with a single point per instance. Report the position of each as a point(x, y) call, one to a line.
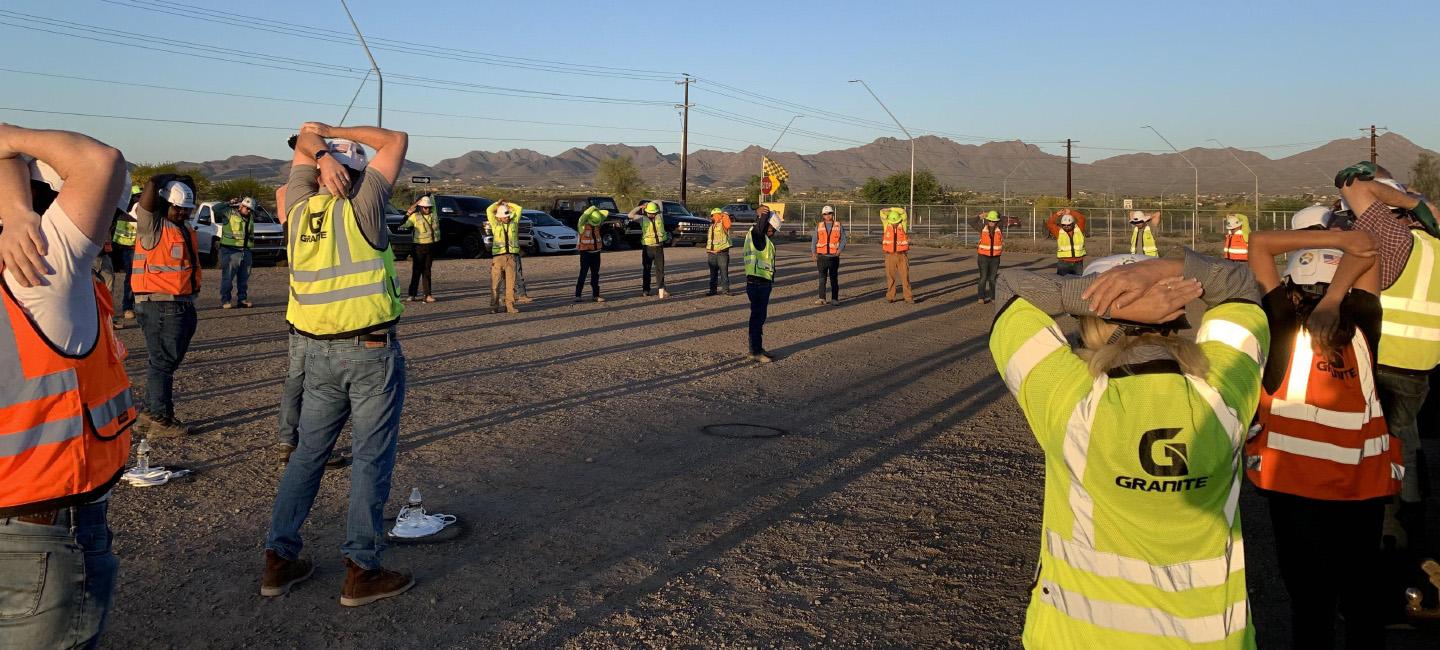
point(911, 208)
point(1195, 213)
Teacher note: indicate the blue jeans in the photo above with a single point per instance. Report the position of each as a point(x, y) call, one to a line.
point(56, 582)
point(168, 325)
point(235, 265)
point(289, 429)
point(759, 294)
point(121, 259)
point(344, 379)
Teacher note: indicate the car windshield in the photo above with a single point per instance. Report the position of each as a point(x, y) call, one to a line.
point(262, 216)
point(472, 206)
point(605, 204)
point(542, 219)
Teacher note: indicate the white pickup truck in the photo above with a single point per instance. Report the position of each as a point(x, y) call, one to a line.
point(269, 234)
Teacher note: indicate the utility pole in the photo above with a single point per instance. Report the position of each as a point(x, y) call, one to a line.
point(684, 136)
point(1374, 152)
point(1068, 142)
point(379, 105)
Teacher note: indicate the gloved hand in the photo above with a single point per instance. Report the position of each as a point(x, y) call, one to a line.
point(1363, 171)
point(1426, 217)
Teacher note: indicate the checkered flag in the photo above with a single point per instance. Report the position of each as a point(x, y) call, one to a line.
point(773, 168)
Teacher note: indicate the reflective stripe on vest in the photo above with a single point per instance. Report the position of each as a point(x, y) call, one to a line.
point(171, 267)
point(760, 264)
point(1069, 245)
point(648, 228)
point(1138, 619)
point(992, 241)
point(1410, 318)
point(827, 241)
point(64, 421)
point(717, 239)
point(1231, 334)
point(426, 227)
point(895, 240)
point(124, 232)
point(1322, 435)
point(1143, 242)
point(339, 284)
point(590, 238)
point(237, 231)
point(1237, 248)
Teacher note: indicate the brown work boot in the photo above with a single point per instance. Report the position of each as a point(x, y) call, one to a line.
point(168, 428)
point(282, 574)
point(364, 587)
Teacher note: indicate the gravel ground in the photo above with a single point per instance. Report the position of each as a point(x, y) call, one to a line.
point(901, 508)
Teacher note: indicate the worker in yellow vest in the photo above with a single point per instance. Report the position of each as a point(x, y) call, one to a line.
point(1142, 233)
point(1237, 238)
point(826, 245)
point(590, 246)
point(1404, 228)
point(653, 238)
point(345, 301)
point(987, 256)
point(717, 251)
point(504, 219)
point(759, 254)
point(237, 237)
point(1141, 431)
point(1067, 226)
point(895, 243)
point(122, 255)
point(424, 223)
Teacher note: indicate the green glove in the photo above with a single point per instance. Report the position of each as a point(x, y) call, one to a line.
point(1426, 218)
point(1363, 171)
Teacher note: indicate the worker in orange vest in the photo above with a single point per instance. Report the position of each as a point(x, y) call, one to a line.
point(826, 244)
point(1321, 451)
point(992, 243)
point(896, 245)
point(65, 405)
point(166, 279)
point(1237, 238)
point(1067, 226)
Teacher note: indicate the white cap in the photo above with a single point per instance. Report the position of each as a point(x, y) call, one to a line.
point(1315, 215)
point(348, 153)
point(775, 221)
point(1138, 217)
point(44, 173)
point(1066, 220)
point(426, 202)
point(502, 211)
point(178, 194)
point(827, 210)
point(247, 203)
point(1313, 265)
point(1231, 223)
point(1106, 263)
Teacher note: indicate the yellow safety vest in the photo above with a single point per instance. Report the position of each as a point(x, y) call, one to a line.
point(340, 286)
point(1068, 245)
point(648, 228)
point(1143, 242)
point(124, 232)
point(718, 240)
point(760, 264)
point(1410, 319)
point(426, 227)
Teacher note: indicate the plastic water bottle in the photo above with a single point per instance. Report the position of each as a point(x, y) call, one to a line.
point(142, 456)
point(414, 506)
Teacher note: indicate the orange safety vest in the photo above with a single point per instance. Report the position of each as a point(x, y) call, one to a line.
point(171, 268)
point(895, 240)
point(991, 245)
point(1321, 435)
point(590, 238)
point(1236, 248)
point(64, 420)
point(827, 242)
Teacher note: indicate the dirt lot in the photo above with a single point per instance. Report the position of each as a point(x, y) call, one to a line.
point(901, 509)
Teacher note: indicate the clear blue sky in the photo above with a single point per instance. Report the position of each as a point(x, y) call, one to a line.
point(1252, 73)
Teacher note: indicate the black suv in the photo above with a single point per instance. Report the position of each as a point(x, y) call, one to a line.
point(569, 208)
point(684, 228)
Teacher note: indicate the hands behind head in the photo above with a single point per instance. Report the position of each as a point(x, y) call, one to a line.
point(318, 128)
point(1144, 292)
point(333, 176)
point(22, 244)
point(1360, 171)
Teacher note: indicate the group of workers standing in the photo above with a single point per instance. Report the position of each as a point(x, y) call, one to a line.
point(1308, 382)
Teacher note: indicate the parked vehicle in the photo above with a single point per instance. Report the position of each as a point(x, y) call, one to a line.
point(269, 234)
point(742, 215)
point(401, 241)
point(463, 224)
point(568, 209)
point(742, 218)
point(684, 228)
point(548, 234)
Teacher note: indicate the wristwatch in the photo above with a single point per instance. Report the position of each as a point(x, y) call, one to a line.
point(321, 154)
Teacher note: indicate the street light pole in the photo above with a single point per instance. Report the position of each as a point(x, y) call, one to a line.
point(1247, 168)
point(911, 209)
point(1195, 214)
point(1005, 188)
point(380, 80)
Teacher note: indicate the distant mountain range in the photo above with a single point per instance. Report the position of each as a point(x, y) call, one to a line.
point(991, 167)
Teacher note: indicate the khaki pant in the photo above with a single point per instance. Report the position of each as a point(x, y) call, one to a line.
point(897, 269)
point(502, 267)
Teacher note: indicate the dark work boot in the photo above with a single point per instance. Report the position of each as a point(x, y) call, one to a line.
point(282, 574)
point(363, 587)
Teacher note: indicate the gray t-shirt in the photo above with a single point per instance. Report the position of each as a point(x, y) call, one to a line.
point(368, 200)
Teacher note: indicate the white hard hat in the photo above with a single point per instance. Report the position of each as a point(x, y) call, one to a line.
point(1231, 223)
point(425, 202)
point(775, 221)
point(348, 153)
point(1106, 263)
point(44, 173)
point(1066, 220)
point(1138, 217)
point(502, 211)
point(1315, 215)
point(178, 194)
point(827, 210)
point(247, 203)
point(1313, 265)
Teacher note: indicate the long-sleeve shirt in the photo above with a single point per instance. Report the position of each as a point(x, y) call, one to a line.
point(1392, 240)
point(844, 235)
